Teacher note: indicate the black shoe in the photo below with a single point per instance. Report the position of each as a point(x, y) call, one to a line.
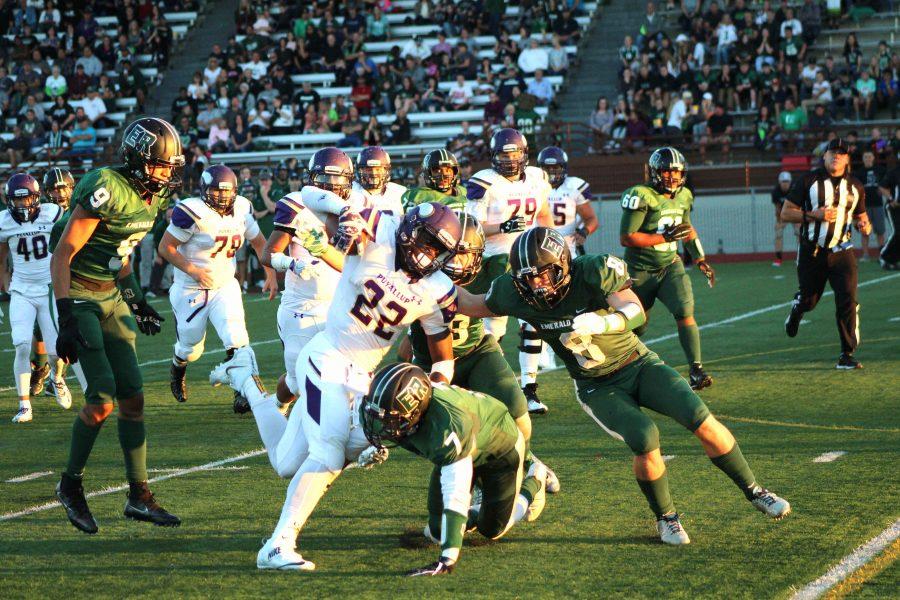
point(38, 377)
point(535, 406)
point(792, 323)
point(71, 495)
point(698, 378)
point(142, 506)
point(241, 405)
point(177, 382)
point(847, 362)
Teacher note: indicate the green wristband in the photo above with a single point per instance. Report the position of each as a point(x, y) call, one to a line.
point(131, 289)
point(694, 248)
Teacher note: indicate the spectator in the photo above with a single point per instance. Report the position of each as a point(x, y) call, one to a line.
point(198, 90)
point(821, 92)
point(83, 138)
point(493, 110)
point(93, 68)
point(719, 128)
point(212, 72)
point(361, 95)
point(678, 112)
point(844, 96)
point(433, 99)
point(61, 112)
point(400, 131)
point(763, 129)
point(811, 20)
point(131, 83)
point(55, 84)
point(865, 88)
point(188, 133)
point(33, 130)
point(792, 48)
point(442, 46)
point(744, 94)
point(460, 94)
point(352, 128)
point(258, 119)
point(57, 142)
point(790, 22)
point(208, 116)
point(464, 62)
point(567, 28)
point(791, 124)
point(240, 138)
point(558, 58)
point(650, 28)
point(852, 54)
point(307, 96)
point(416, 49)
point(871, 175)
point(819, 122)
point(540, 88)
point(465, 143)
point(888, 91)
point(219, 136)
point(95, 108)
point(636, 131)
point(533, 58)
point(726, 36)
point(283, 117)
point(407, 96)
point(373, 135)
point(600, 122)
point(377, 25)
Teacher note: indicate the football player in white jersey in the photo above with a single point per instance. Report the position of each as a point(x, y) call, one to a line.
point(25, 232)
point(392, 277)
point(200, 242)
point(574, 218)
point(311, 275)
point(507, 199)
point(373, 187)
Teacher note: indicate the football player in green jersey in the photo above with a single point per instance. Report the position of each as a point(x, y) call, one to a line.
point(440, 170)
point(584, 308)
point(100, 306)
point(655, 218)
point(471, 439)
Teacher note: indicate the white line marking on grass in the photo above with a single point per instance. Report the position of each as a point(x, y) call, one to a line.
point(110, 490)
point(828, 457)
point(223, 468)
point(894, 319)
point(29, 477)
point(849, 564)
point(668, 457)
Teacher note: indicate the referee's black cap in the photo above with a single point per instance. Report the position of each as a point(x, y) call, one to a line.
point(838, 146)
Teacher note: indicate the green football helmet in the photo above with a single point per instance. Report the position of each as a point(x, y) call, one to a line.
point(540, 262)
point(397, 399)
point(466, 263)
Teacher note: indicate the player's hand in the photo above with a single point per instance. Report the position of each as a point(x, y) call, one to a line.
point(350, 230)
point(676, 233)
point(590, 323)
point(69, 338)
point(372, 456)
point(271, 284)
point(314, 241)
point(863, 225)
point(707, 270)
point(513, 225)
point(441, 567)
point(148, 320)
point(580, 236)
point(203, 278)
point(826, 215)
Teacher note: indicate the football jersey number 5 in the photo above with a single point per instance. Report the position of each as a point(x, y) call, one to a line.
point(367, 308)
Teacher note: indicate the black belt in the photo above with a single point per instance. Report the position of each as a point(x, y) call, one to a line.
point(94, 285)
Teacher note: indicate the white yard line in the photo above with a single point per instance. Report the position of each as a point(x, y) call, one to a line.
point(29, 476)
point(110, 490)
point(223, 468)
point(849, 564)
point(668, 457)
point(828, 457)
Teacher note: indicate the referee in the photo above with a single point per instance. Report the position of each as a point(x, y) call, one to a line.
point(890, 191)
point(826, 202)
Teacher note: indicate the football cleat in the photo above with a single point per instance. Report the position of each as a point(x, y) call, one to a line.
point(177, 382)
point(792, 323)
point(142, 506)
point(38, 376)
point(71, 495)
point(241, 405)
point(539, 472)
point(553, 486)
point(23, 415)
point(535, 406)
point(770, 504)
point(61, 392)
point(847, 362)
point(281, 558)
point(698, 378)
point(776, 262)
point(671, 531)
point(236, 370)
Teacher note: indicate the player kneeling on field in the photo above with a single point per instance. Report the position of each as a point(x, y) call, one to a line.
point(585, 309)
point(470, 438)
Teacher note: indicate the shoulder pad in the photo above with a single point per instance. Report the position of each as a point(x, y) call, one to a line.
point(487, 177)
point(536, 173)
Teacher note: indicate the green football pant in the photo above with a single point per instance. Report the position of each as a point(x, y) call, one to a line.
point(615, 401)
point(670, 284)
point(485, 370)
point(109, 361)
point(499, 480)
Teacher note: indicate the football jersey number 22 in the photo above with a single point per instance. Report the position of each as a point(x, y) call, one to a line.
point(367, 308)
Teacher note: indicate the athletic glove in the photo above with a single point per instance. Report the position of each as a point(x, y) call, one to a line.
point(591, 323)
point(513, 225)
point(314, 241)
point(676, 233)
point(282, 262)
point(148, 320)
point(441, 567)
point(350, 228)
point(69, 337)
point(371, 457)
point(707, 270)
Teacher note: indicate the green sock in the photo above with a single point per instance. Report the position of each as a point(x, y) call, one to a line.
point(39, 360)
point(133, 440)
point(83, 437)
point(735, 466)
point(530, 487)
point(689, 336)
point(658, 496)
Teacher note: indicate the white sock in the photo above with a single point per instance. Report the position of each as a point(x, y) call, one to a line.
point(270, 422)
point(59, 368)
point(528, 366)
point(521, 508)
point(307, 487)
point(24, 403)
point(22, 370)
point(252, 392)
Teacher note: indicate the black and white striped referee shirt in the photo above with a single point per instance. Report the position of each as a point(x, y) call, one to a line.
point(817, 189)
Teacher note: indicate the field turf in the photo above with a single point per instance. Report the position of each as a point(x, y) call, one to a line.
point(782, 398)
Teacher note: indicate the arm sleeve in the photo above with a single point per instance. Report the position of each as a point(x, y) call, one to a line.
point(182, 225)
point(634, 211)
point(325, 202)
point(495, 294)
point(797, 193)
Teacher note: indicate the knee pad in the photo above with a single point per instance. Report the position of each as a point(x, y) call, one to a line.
point(23, 351)
point(642, 439)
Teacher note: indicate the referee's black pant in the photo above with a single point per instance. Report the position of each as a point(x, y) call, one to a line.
point(891, 251)
point(817, 265)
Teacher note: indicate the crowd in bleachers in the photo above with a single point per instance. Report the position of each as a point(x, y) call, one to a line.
point(691, 69)
point(67, 67)
point(373, 72)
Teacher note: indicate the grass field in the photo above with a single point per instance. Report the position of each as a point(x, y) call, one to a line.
point(782, 398)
